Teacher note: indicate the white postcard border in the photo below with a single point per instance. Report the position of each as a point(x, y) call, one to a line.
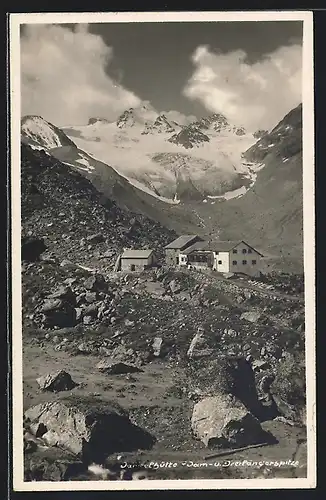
point(15, 20)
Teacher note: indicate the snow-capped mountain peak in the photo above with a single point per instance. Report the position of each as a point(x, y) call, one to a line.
point(38, 132)
point(160, 125)
point(140, 115)
point(217, 123)
point(189, 137)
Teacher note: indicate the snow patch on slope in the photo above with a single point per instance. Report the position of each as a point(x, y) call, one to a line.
point(38, 132)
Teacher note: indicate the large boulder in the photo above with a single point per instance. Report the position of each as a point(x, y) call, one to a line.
point(56, 381)
point(31, 248)
point(58, 312)
point(223, 421)
point(87, 427)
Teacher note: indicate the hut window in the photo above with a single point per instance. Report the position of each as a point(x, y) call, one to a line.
point(244, 262)
point(254, 262)
point(234, 262)
point(220, 262)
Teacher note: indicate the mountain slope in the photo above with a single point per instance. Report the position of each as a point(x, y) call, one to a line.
point(284, 141)
point(270, 213)
point(189, 137)
point(127, 195)
point(160, 126)
point(267, 209)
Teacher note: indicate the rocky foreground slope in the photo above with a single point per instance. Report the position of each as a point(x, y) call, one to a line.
point(177, 362)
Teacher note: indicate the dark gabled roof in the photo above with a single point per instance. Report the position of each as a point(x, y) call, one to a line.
point(224, 246)
point(200, 245)
point(182, 242)
point(136, 254)
point(216, 246)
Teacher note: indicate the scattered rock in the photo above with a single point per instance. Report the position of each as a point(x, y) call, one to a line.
point(91, 297)
point(111, 367)
point(199, 346)
point(66, 263)
point(229, 375)
point(252, 316)
point(174, 286)
point(52, 464)
point(79, 313)
point(64, 293)
point(124, 354)
point(157, 346)
point(95, 283)
point(56, 381)
point(84, 348)
point(91, 310)
point(96, 238)
point(223, 421)
point(260, 365)
point(87, 320)
point(80, 298)
point(51, 305)
point(285, 409)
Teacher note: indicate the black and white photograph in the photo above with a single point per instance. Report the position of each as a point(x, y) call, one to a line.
point(162, 224)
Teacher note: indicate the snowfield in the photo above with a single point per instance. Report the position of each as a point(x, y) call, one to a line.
point(137, 147)
point(159, 165)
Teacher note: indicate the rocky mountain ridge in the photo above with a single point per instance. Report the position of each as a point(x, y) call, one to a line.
point(63, 208)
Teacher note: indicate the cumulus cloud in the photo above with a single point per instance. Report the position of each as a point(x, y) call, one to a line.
point(254, 95)
point(63, 76)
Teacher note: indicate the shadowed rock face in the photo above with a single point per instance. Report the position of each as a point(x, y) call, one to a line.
point(32, 248)
point(57, 381)
point(227, 375)
point(88, 428)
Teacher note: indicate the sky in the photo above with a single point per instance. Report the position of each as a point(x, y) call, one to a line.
point(248, 71)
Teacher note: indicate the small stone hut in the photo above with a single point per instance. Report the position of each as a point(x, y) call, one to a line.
point(137, 260)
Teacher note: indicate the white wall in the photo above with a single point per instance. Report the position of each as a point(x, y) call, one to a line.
point(127, 263)
point(221, 262)
point(244, 260)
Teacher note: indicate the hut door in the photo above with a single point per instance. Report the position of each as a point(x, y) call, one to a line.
point(132, 267)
